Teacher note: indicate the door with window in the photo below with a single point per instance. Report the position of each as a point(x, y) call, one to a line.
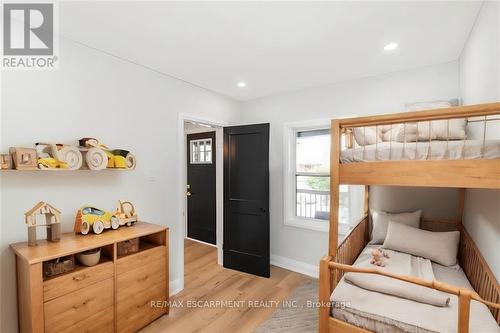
point(201, 187)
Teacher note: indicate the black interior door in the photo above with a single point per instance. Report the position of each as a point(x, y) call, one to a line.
point(201, 202)
point(246, 199)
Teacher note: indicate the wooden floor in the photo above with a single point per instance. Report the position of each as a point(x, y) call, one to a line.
point(207, 281)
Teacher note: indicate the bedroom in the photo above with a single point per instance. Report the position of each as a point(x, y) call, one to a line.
point(150, 68)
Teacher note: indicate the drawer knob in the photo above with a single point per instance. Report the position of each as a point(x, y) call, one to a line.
point(79, 277)
point(76, 307)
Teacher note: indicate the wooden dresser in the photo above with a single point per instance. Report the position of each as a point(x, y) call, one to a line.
point(119, 294)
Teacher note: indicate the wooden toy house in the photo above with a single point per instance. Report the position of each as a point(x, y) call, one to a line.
point(52, 222)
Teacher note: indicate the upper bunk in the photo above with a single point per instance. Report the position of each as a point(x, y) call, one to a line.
point(446, 147)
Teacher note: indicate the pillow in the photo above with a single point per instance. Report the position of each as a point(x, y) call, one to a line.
point(420, 106)
point(380, 221)
point(439, 129)
point(365, 135)
point(392, 133)
point(440, 247)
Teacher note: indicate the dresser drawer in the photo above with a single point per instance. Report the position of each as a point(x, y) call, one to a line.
point(80, 279)
point(135, 260)
point(101, 322)
point(74, 308)
point(136, 311)
point(141, 278)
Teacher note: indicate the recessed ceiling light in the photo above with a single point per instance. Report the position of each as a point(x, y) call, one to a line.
point(241, 84)
point(391, 46)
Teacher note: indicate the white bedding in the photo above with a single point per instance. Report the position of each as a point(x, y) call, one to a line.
point(390, 314)
point(435, 150)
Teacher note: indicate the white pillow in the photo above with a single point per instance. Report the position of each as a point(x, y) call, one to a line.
point(439, 129)
point(420, 106)
point(365, 136)
point(380, 221)
point(440, 247)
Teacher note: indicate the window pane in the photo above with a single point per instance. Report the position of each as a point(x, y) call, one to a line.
point(208, 156)
point(313, 151)
point(313, 197)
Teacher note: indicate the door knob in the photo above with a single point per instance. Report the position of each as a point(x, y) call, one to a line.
point(188, 193)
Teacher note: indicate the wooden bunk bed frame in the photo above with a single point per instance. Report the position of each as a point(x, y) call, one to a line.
point(462, 174)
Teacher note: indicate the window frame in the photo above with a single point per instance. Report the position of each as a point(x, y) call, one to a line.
point(289, 177)
point(198, 141)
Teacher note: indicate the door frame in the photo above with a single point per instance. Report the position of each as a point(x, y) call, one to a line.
point(182, 175)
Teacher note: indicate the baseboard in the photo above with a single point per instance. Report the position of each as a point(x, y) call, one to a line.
point(175, 287)
point(295, 265)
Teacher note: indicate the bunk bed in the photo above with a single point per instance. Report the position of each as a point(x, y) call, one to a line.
point(415, 158)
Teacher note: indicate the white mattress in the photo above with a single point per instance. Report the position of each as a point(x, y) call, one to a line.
point(382, 313)
point(435, 150)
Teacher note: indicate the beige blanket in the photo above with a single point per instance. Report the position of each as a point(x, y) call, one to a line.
point(403, 264)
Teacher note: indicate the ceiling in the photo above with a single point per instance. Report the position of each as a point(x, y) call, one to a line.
point(272, 46)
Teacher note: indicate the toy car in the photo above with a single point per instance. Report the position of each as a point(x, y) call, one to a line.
point(89, 217)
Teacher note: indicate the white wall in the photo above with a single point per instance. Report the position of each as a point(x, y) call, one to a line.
point(124, 105)
point(374, 95)
point(480, 83)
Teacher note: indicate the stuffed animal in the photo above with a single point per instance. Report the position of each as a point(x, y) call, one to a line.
point(378, 257)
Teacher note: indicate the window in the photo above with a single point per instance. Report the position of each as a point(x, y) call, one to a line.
point(201, 151)
point(307, 181)
point(312, 174)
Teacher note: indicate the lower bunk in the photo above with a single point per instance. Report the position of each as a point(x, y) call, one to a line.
point(363, 300)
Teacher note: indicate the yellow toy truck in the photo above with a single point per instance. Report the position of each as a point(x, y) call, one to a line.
point(98, 220)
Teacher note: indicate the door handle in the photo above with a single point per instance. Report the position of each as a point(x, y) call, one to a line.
point(263, 210)
point(188, 193)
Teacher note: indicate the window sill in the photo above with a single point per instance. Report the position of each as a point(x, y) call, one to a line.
point(316, 225)
point(310, 224)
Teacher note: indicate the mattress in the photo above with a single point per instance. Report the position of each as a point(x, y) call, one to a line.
point(434, 150)
point(382, 313)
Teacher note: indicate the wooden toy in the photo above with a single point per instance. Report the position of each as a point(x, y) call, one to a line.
point(5, 161)
point(89, 217)
point(59, 156)
point(52, 222)
point(126, 213)
point(99, 156)
point(23, 158)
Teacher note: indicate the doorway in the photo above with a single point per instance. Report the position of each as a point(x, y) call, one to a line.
point(201, 186)
point(254, 247)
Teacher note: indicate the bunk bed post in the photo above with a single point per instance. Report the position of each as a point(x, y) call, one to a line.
point(334, 188)
point(461, 204)
point(464, 298)
point(328, 278)
point(324, 294)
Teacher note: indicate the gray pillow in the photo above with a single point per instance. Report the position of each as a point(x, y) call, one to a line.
point(440, 247)
point(380, 221)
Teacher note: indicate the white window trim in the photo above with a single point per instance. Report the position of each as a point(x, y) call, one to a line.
point(289, 184)
point(191, 161)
